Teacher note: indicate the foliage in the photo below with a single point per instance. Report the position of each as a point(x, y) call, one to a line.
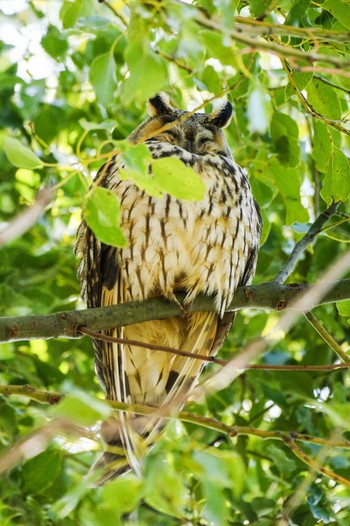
point(74, 79)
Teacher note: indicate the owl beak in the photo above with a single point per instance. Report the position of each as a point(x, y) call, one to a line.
point(189, 146)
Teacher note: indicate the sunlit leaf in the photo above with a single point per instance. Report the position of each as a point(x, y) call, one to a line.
point(102, 216)
point(173, 177)
point(103, 77)
point(19, 155)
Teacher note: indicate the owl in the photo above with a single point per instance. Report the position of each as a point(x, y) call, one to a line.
point(208, 246)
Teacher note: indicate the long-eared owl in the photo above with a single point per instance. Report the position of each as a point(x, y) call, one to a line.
point(208, 246)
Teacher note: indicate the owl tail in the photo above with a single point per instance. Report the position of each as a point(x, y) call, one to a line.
point(108, 467)
point(113, 462)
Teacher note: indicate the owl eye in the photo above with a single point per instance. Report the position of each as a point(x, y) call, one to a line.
point(203, 140)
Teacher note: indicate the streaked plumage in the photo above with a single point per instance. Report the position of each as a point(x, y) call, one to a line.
point(207, 246)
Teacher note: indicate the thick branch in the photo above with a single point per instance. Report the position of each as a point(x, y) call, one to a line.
point(66, 324)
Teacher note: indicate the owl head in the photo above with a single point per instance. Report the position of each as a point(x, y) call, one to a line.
point(199, 133)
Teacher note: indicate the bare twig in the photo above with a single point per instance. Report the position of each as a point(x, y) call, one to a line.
point(27, 218)
point(302, 245)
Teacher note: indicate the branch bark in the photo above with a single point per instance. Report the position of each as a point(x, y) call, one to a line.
point(66, 324)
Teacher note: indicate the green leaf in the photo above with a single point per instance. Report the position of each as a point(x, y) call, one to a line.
point(103, 77)
point(321, 146)
point(211, 79)
point(136, 160)
point(20, 155)
point(285, 134)
point(164, 487)
point(213, 42)
point(173, 177)
point(336, 183)
point(148, 73)
point(41, 471)
point(48, 122)
point(71, 11)
point(102, 215)
point(215, 509)
point(324, 99)
point(259, 109)
point(281, 460)
point(82, 408)
point(55, 42)
point(287, 181)
point(123, 494)
point(344, 308)
point(340, 10)
point(224, 468)
point(337, 412)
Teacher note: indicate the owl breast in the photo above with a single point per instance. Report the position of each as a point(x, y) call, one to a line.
point(195, 246)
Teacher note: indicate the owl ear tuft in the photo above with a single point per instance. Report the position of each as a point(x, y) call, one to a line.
point(160, 105)
point(221, 114)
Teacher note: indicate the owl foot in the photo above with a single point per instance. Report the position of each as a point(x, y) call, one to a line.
point(182, 305)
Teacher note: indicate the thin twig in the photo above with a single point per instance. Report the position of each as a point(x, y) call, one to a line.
point(115, 12)
point(283, 51)
point(315, 465)
point(151, 346)
point(44, 397)
point(327, 337)
point(311, 33)
point(302, 245)
point(309, 108)
point(212, 359)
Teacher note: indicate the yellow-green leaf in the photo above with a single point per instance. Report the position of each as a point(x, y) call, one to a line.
point(103, 77)
point(102, 216)
point(174, 178)
point(20, 155)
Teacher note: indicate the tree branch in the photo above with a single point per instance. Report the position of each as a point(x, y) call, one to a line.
point(240, 34)
point(67, 324)
point(302, 245)
point(26, 218)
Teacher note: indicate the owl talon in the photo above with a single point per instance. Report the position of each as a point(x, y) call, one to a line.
point(172, 297)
